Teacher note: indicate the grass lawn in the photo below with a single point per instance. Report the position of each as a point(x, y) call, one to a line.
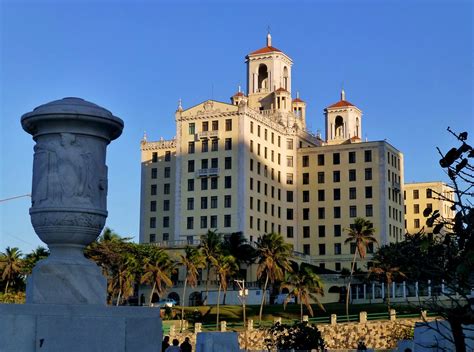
point(292, 311)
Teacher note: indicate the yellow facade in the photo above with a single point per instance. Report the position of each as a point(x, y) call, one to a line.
point(421, 195)
point(251, 166)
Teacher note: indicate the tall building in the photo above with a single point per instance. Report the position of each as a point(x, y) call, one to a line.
point(421, 195)
point(251, 166)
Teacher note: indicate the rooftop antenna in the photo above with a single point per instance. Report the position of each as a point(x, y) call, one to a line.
point(269, 37)
point(343, 93)
point(144, 136)
point(239, 88)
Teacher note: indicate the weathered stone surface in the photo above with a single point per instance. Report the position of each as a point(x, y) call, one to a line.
point(217, 342)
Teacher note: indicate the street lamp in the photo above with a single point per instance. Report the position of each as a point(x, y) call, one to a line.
point(243, 293)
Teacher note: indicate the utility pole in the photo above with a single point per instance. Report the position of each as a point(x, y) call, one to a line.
point(243, 293)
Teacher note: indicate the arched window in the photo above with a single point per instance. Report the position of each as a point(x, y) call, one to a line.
point(339, 128)
point(262, 77)
point(175, 296)
point(285, 78)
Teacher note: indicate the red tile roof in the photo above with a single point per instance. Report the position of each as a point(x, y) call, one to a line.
point(340, 104)
point(239, 94)
point(267, 49)
point(298, 100)
point(281, 89)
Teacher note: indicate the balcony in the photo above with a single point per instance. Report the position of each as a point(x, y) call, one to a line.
point(212, 172)
point(208, 134)
point(396, 186)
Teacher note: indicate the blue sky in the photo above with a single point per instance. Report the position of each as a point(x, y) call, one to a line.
point(407, 64)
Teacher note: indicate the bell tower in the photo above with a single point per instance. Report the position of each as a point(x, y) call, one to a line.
point(268, 70)
point(343, 121)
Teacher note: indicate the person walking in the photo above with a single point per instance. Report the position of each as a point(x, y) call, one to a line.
point(165, 344)
point(175, 347)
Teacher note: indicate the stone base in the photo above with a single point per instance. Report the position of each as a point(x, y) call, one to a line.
point(79, 328)
point(217, 342)
point(75, 280)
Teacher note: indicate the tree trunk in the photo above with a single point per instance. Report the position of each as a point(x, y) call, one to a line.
point(151, 294)
point(301, 310)
point(182, 304)
point(118, 298)
point(6, 287)
point(207, 284)
point(349, 285)
point(458, 334)
point(388, 295)
point(218, 300)
point(263, 300)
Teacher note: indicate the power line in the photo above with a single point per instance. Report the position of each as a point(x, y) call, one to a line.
point(11, 198)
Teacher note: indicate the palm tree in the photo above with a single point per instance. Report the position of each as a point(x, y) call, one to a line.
point(34, 257)
point(389, 272)
point(157, 271)
point(226, 266)
point(123, 281)
point(361, 233)
point(11, 266)
point(211, 247)
point(273, 260)
point(304, 284)
point(192, 261)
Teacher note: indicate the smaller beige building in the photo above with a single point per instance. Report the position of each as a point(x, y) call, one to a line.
point(418, 196)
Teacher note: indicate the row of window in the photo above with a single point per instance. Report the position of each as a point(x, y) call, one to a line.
point(336, 194)
point(166, 172)
point(393, 160)
point(394, 213)
point(337, 249)
point(211, 202)
point(205, 126)
point(154, 156)
point(265, 187)
point(336, 158)
point(213, 183)
point(166, 237)
point(416, 194)
point(205, 145)
point(416, 208)
point(212, 221)
point(369, 212)
point(336, 176)
point(289, 141)
point(214, 163)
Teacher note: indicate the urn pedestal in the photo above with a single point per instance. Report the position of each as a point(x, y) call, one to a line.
point(66, 294)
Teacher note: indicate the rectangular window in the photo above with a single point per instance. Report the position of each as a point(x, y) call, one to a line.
point(191, 148)
point(227, 201)
point(417, 223)
point(152, 238)
point(306, 178)
point(204, 164)
point(321, 195)
point(429, 193)
point(336, 158)
point(166, 222)
point(190, 185)
point(203, 222)
point(228, 182)
point(215, 145)
point(166, 188)
point(416, 194)
point(203, 202)
point(305, 161)
point(337, 248)
point(215, 125)
point(228, 163)
point(289, 214)
point(214, 202)
point(190, 203)
point(305, 196)
point(192, 128)
point(214, 221)
point(368, 174)
point(205, 126)
point(353, 211)
point(154, 158)
point(369, 210)
point(214, 182)
point(352, 193)
point(289, 144)
point(214, 163)
point(289, 231)
point(352, 157)
point(289, 161)
point(227, 220)
point(251, 183)
point(322, 249)
point(205, 146)
point(190, 223)
point(321, 231)
point(203, 184)
point(228, 124)
point(337, 212)
point(166, 205)
point(416, 208)
point(321, 213)
point(337, 266)
point(337, 194)
point(258, 148)
point(154, 173)
point(152, 222)
point(289, 179)
point(337, 230)
point(167, 172)
point(289, 196)
point(190, 165)
point(251, 164)
point(228, 144)
point(167, 155)
point(305, 213)
point(258, 130)
point(352, 175)
point(306, 249)
point(306, 232)
point(321, 177)
point(336, 176)
point(368, 192)
point(251, 126)
point(321, 159)
point(258, 204)
point(258, 168)
point(153, 190)
point(368, 156)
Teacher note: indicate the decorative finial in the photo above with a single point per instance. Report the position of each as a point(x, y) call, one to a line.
point(343, 94)
point(180, 106)
point(239, 88)
point(269, 37)
point(144, 136)
point(297, 95)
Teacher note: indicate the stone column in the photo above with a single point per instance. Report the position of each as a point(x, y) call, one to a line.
point(393, 314)
point(333, 319)
point(305, 318)
point(363, 317)
point(250, 324)
point(197, 328)
point(223, 326)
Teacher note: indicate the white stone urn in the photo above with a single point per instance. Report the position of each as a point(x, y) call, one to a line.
point(69, 197)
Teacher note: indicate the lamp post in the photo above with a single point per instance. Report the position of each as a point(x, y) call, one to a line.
point(243, 293)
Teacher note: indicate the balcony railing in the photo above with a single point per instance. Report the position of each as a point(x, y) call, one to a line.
point(212, 172)
point(396, 186)
point(208, 134)
point(178, 243)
